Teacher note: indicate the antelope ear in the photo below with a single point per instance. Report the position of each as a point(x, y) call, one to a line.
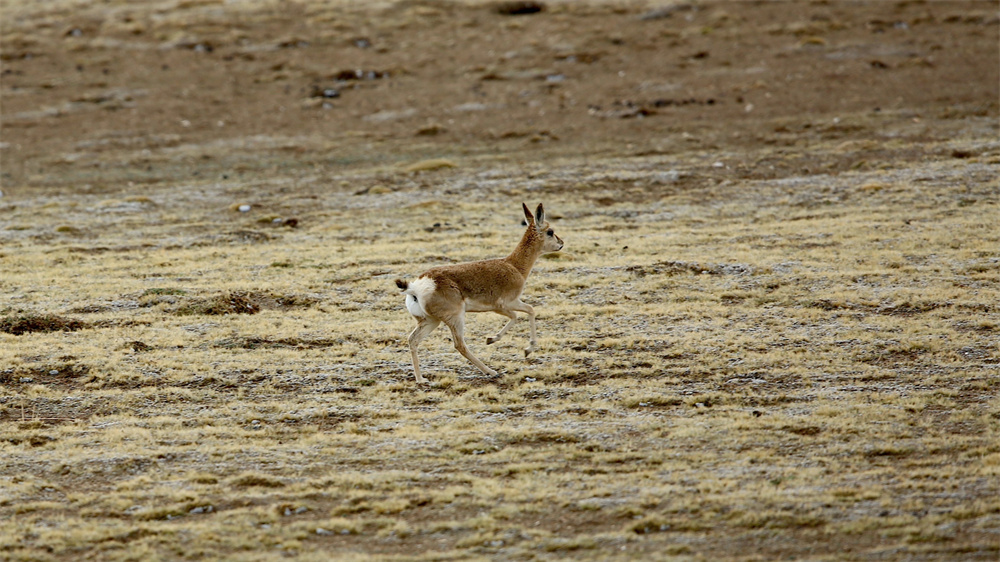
point(527, 214)
point(540, 215)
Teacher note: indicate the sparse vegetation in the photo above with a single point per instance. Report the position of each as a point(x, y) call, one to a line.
point(19, 324)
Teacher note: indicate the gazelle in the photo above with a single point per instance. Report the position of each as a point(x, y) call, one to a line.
point(446, 293)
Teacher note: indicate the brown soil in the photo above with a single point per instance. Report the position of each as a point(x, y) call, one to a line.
point(436, 78)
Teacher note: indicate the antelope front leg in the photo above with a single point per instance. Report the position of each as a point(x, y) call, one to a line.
point(533, 342)
point(509, 314)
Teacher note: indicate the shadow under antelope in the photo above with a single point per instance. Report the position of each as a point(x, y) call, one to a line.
point(446, 293)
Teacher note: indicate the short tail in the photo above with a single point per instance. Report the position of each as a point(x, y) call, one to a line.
point(403, 285)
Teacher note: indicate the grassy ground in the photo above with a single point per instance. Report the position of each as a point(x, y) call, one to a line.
point(785, 348)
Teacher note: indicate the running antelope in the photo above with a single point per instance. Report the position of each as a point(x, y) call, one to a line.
point(446, 293)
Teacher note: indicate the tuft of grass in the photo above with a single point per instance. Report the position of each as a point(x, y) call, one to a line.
point(255, 480)
point(233, 302)
point(39, 323)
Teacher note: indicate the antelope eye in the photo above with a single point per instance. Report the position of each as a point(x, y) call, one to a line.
point(550, 232)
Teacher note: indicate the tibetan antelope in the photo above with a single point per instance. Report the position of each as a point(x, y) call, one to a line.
point(446, 293)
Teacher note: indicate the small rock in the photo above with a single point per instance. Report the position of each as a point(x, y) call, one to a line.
point(429, 165)
point(519, 8)
point(244, 208)
point(324, 92)
point(663, 13)
point(430, 130)
point(324, 532)
point(360, 74)
point(390, 115)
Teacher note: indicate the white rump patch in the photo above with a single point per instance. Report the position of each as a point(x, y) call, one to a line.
point(416, 295)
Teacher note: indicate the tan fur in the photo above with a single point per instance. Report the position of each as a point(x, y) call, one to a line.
point(481, 286)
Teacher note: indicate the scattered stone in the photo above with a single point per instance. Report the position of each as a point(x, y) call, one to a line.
point(626, 113)
point(316, 103)
point(431, 130)
point(430, 165)
point(680, 102)
point(524, 74)
point(322, 92)
point(294, 43)
point(471, 106)
point(518, 8)
point(359, 74)
point(666, 12)
point(390, 115)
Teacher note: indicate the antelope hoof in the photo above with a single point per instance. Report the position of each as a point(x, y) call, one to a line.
point(528, 351)
point(490, 341)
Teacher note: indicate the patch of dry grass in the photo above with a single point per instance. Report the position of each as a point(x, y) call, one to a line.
point(734, 359)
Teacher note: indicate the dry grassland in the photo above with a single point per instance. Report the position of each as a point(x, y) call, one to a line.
point(747, 350)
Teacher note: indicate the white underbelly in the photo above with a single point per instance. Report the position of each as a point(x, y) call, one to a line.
point(472, 305)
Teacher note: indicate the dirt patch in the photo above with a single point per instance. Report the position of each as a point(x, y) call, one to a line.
point(39, 323)
point(573, 78)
